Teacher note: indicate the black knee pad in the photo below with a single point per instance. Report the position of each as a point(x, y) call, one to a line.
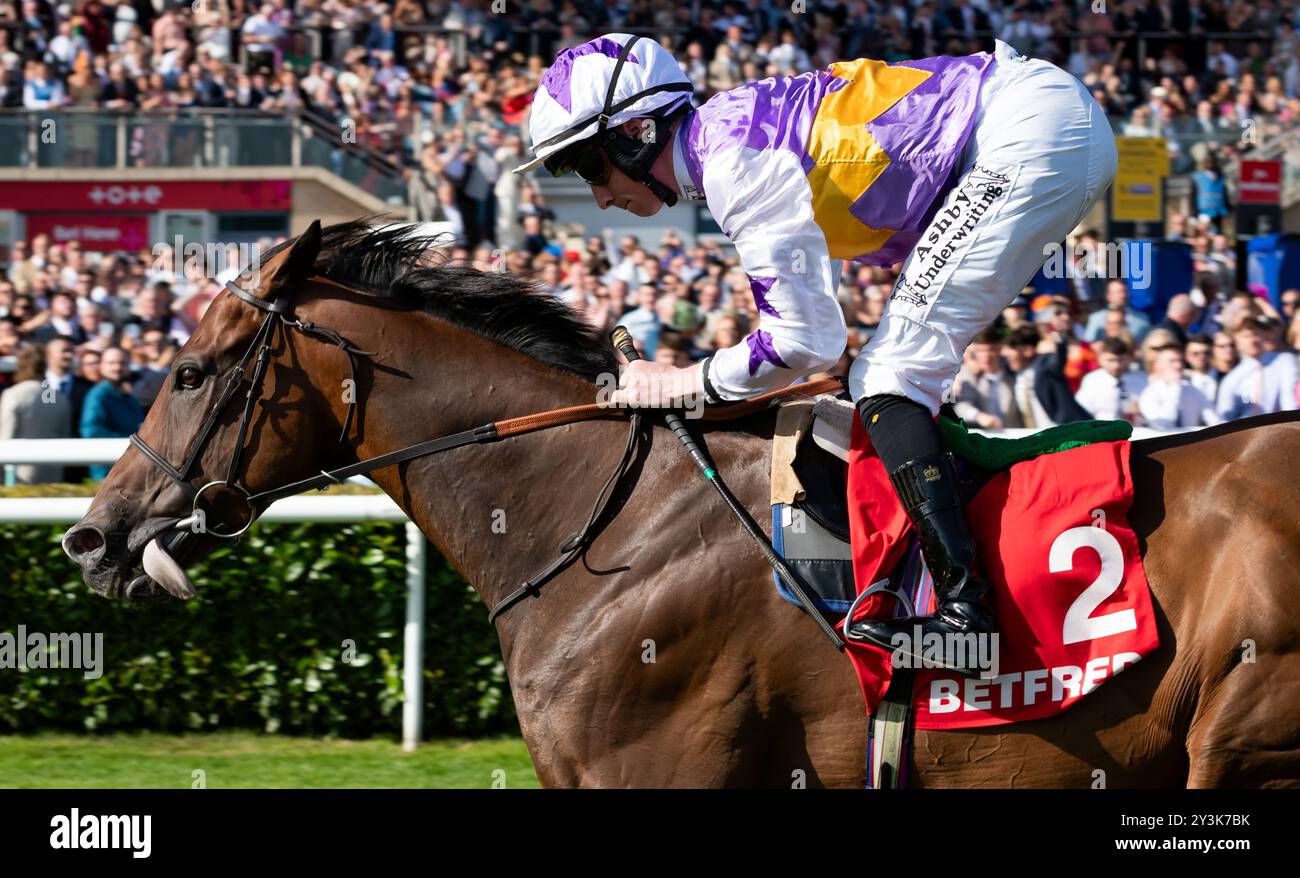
point(900, 429)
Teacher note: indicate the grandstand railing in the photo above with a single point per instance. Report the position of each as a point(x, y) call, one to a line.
point(328, 42)
point(1131, 43)
point(74, 137)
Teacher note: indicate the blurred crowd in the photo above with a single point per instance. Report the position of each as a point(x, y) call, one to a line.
point(1215, 353)
point(92, 341)
point(442, 89)
point(86, 342)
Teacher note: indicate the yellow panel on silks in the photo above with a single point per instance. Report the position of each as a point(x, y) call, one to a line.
point(847, 158)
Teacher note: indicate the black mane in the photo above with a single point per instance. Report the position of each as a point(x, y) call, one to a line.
point(397, 262)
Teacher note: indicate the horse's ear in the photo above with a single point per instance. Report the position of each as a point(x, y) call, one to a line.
point(301, 261)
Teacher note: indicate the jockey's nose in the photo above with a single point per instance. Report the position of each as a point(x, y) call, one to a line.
point(604, 198)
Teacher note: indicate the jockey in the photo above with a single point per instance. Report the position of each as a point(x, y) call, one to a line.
point(964, 168)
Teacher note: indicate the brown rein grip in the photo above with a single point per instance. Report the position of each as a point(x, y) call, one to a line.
point(622, 340)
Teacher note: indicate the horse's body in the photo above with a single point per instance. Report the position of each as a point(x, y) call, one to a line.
point(742, 689)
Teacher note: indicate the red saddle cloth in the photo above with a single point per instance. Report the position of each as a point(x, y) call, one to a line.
point(1070, 593)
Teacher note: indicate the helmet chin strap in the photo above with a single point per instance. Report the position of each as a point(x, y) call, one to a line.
point(666, 195)
point(635, 156)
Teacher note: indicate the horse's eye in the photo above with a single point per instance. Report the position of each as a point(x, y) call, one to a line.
point(189, 377)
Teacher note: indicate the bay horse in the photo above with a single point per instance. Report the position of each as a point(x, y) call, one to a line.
point(666, 658)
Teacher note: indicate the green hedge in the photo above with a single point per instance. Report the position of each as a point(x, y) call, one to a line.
point(262, 645)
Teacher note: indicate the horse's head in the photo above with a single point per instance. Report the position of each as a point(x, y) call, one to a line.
point(241, 412)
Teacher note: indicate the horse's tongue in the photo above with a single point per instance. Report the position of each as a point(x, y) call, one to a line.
point(163, 569)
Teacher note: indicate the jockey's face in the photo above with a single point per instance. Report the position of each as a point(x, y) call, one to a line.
point(622, 191)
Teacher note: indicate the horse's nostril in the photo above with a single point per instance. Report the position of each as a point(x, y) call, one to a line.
point(82, 541)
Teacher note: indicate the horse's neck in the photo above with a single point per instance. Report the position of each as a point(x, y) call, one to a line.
point(497, 511)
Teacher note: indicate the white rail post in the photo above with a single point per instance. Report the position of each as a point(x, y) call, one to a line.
point(413, 653)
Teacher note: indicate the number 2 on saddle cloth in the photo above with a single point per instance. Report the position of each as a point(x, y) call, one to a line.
point(1070, 593)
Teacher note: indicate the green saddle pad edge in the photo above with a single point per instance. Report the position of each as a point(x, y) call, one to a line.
point(995, 454)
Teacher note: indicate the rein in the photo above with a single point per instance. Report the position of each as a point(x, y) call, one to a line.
point(280, 319)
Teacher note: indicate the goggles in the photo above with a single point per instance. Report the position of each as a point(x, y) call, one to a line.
point(588, 161)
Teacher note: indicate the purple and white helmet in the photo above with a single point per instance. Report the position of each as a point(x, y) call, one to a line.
point(571, 99)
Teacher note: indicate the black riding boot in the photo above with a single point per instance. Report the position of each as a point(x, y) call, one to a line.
point(927, 486)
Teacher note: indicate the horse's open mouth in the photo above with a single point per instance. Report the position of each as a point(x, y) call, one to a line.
point(161, 570)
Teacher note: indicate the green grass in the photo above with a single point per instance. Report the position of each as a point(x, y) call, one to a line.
point(250, 760)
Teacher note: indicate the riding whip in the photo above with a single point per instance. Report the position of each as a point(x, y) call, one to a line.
point(622, 340)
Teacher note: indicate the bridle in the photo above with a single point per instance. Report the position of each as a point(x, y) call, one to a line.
point(280, 319)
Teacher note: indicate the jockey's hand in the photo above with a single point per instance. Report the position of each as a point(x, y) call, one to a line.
point(647, 384)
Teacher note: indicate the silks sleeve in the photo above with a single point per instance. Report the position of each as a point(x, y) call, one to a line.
point(763, 203)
